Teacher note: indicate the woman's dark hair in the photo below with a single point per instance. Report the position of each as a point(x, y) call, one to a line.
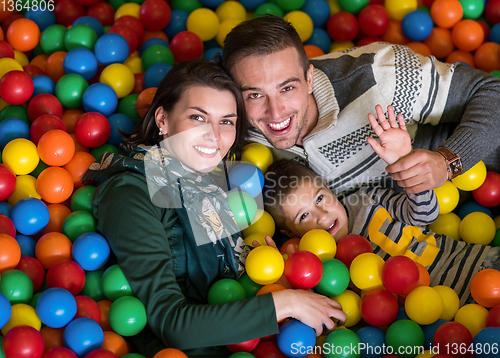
point(263, 35)
point(181, 77)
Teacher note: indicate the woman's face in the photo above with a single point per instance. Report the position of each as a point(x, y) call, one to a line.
point(201, 127)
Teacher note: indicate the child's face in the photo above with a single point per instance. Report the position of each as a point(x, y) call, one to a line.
point(314, 207)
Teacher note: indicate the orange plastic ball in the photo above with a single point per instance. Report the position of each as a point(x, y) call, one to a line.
point(52, 337)
point(69, 118)
point(461, 56)
point(79, 147)
point(487, 57)
point(170, 353)
point(394, 34)
point(144, 100)
point(419, 47)
point(439, 42)
point(23, 35)
point(467, 35)
point(55, 184)
point(58, 213)
point(104, 306)
point(424, 278)
point(54, 66)
point(446, 13)
point(53, 247)
point(294, 242)
point(485, 287)
point(10, 254)
point(40, 61)
point(56, 148)
point(313, 51)
point(153, 35)
point(115, 343)
point(78, 165)
point(273, 287)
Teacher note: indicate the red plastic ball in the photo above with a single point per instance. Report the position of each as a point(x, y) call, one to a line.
point(7, 182)
point(34, 269)
point(303, 269)
point(342, 26)
point(492, 11)
point(351, 246)
point(452, 334)
point(6, 50)
point(87, 307)
point(128, 34)
point(155, 14)
point(67, 11)
point(7, 226)
point(485, 287)
point(246, 346)
point(32, 70)
point(100, 353)
point(103, 12)
point(368, 40)
point(493, 317)
point(44, 103)
point(59, 352)
point(16, 87)
point(379, 307)
point(139, 83)
point(374, 20)
point(132, 22)
point(44, 124)
point(23, 342)
point(86, 2)
point(92, 129)
point(488, 194)
point(186, 46)
point(400, 275)
point(66, 274)
point(268, 349)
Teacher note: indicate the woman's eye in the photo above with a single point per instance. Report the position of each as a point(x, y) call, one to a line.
point(197, 117)
point(302, 217)
point(227, 121)
point(318, 200)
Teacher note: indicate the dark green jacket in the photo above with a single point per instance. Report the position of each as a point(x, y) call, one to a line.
point(148, 242)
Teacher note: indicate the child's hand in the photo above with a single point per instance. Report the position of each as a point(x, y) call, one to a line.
point(270, 242)
point(395, 141)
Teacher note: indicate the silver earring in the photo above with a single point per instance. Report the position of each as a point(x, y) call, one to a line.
point(160, 132)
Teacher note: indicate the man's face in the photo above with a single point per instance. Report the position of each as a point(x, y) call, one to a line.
point(278, 99)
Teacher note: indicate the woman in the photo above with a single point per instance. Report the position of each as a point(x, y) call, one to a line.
point(198, 116)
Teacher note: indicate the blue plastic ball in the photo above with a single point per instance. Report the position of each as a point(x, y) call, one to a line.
point(111, 48)
point(295, 339)
point(83, 335)
point(30, 216)
point(27, 245)
point(318, 11)
point(43, 18)
point(43, 84)
point(401, 313)
point(247, 177)
point(155, 73)
point(177, 23)
point(486, 342)
point(210, 53)
point(56, 307)
point(118, 121)
point(472, 207)
point(5, 208)
point(211, 3)
point(5, 310)
point(430, 329)
point(373, 339)
point(320, 38)
point(151, 42)
point(494, 35)
point(92, 22)
point(254, 4)
point(81, 61)
point(13, 128)
point(101, 98)
point(91, 251)
point(417, 25)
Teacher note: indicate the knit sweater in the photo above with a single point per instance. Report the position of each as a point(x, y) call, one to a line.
point(394, 224)
point(347, 86)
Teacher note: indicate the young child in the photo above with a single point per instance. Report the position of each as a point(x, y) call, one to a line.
point(394, 222)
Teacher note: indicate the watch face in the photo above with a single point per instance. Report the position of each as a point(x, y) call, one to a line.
point(456, 166)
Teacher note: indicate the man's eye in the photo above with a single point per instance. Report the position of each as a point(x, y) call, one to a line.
point(288, 88)
point(318, 200)
point(254, 95)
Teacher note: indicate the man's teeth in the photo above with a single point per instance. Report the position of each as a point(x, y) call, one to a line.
point(278, 126)
point(205, 150)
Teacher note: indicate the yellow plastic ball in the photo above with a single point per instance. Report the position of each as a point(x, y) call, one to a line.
point(134, 64)
point(21, 58)
point(425, 354)
point(334, 6)
point(366, 271)
point(472, 178)
point(225, 27)
point(264, 265)
point(497, 222)
point(119, 77)
point(399, 8)
point(263, 223)
point(447, 224)
point(452, 302)
point(128, 9)
point(21, 156)
point(257, 154)
point(3, 104)
point(447, 196)
point(231, 10)
point(302, 23)
point(204, 23)
point(424, 305)
point(477, 228)
point(22, 315)
point(8, 64)
point(319, 242)
point(256, 236)
point(351, 305)
point(25, 188)
point(339, 46)
point(472, 316)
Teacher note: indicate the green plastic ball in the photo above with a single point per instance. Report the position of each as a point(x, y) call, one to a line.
point(251, 287)
point(127, 316)
point(69, 90)
point(472, 8)
point(243, 207)
point(290, 5)
point(155, 54)
point(93, 285)
point(115, 284)
point(81, 199)
point(404, 334)
point(353, 6)
point(38, 50)
point(496, 240)
point(226, 290)
point(1, 349)
point(77, 223)
point(133, 355)
point(241, 355)
point(39, 168)
point(128, 107)
point(52, 39)
point(15, 111)
point(80, 36)
point(335, 278)
point(16, 286)
point(495, 73)
point(342, 343)
point(105, 148)
point(34, 299)
point(268, 8)
point(187, 5)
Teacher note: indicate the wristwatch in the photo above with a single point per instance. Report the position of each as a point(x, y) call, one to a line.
point(455, 167)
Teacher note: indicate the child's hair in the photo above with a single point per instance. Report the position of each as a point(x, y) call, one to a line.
point(283, 177)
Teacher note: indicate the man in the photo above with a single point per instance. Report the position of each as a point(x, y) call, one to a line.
point(317, 110)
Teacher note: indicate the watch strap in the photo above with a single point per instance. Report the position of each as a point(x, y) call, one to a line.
point(453, 162)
